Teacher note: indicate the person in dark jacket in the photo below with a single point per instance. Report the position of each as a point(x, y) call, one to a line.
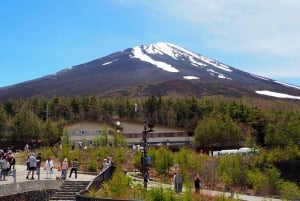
point(197, 183)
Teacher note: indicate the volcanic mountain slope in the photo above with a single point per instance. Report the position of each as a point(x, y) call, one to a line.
point(158, 69)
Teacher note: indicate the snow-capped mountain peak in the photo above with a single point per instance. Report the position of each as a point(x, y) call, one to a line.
point(145, 53)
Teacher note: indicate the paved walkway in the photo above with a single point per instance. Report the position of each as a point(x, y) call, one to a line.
point(212, 192)
point(21, 174)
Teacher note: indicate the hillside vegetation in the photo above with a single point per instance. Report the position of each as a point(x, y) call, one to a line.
point(272, 126)
point(214, 121)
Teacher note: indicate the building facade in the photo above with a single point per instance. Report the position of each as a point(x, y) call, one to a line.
point(86, 131)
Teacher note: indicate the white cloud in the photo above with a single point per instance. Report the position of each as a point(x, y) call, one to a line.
point(266, 26)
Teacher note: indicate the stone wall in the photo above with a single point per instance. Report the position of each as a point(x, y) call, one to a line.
point(28, 191)
point(39, 195)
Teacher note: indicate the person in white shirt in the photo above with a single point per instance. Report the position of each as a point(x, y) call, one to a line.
point(49, 168)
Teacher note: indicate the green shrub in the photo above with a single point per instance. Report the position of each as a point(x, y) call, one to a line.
point(92, 166)
point(266, 181)
point(256, 179)
point(289, 191)
point(232, 170)
point(47, 152)
point(156, 194)
point(117, 187)
point(164, 161)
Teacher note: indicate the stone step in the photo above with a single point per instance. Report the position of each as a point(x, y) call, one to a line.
point(63, 198)
point(66, 193)
point(71, 188)
point(68, 190)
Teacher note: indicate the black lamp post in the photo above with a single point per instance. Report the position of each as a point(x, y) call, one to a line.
point(148, 127)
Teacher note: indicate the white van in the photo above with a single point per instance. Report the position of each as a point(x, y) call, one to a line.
point(228, 152)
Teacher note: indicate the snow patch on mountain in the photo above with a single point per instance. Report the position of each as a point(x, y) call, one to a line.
point(196, 63)
point(219, 75)
point(276, 94)
point(161, 48)
point(288, 85)
point(216, 64)
point(223, 77)
point(278, 82)
point(138, 54)
point(260, 77)
point(195, 57)
point(107, 63)
point(191, 77)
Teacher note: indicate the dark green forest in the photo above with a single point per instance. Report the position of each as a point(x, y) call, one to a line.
point(214, 121)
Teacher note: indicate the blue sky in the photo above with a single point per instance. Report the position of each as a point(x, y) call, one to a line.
point(39, 38)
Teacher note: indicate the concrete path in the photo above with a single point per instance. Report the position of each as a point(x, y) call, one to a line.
point(211, 192)
point(21, 174)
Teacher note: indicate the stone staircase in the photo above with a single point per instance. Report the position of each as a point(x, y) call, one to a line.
point(68, 190)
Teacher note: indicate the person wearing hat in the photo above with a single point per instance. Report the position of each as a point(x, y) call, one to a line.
point(64, 169)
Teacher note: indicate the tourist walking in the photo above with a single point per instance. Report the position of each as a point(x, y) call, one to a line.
point(9, 156)
point(74, 168)
point(32, 166)
point(3, 167)
point(38, 164)
point(64, 169)
point(49, 168)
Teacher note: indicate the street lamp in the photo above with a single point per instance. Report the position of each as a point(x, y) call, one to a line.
point(148, 127)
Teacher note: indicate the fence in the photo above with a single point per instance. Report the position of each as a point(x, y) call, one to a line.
point(96, 183)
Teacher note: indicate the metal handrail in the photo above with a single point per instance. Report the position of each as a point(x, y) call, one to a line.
point(97, 182)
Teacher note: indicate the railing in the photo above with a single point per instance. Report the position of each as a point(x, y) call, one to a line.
point(96, 183)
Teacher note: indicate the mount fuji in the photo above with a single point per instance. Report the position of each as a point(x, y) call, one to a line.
point(158, 69)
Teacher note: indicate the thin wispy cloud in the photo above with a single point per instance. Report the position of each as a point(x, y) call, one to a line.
point(266, 26)
point(264, 29)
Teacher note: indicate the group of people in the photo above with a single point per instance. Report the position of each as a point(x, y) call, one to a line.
point(34, 165)
point(7, 163)
point(177, 180)
point(65, 167)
